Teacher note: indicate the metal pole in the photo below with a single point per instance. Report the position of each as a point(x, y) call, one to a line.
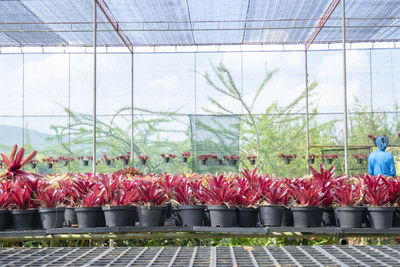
point(346, 158)
point(132, 114)
point(94, 82)
point(307, 110)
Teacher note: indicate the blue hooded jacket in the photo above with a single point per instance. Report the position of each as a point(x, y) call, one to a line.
point(380, 161)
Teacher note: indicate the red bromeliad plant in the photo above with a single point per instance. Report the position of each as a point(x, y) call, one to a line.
point(348, 195)
point(188, 192)
point(169, 184)
point(93, 199)
point(51, 197)
point(274, 194)
point(221, 191)
point(151, 193)
point(15, 163)
point(245, 195)
point(304, 192)
point(5, 199)
point(111, 186)
point(21, 198)
point(327, 181)
point(185, 154)
point(376, 190)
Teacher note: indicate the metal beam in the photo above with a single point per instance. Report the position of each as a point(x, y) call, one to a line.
point(307, 111)
point(346, 156)
point(116, 25)
point(94, 85)
point(321, 22)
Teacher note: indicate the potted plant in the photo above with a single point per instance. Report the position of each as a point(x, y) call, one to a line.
point(222, 194)
point(70, 201)
point(376, 190)
point(151, 211)
point(245, 202)
point(167, 157)
point(330, 157)
point(51, 213)
point(143, 159)
point(85, 160)
point(372, 138)
point(252, 159)
point(23, 211)
point(232, 159)
point(185, 156)
point(88, 212)
point(360, 158)
point(117, 200)
point(350, 213)
point(288, 158)
point(5, 201)
point(65, 160)
point(107, 160)
point(203, 159)
point(34, 163)
point(307, 200)
point(327, 181)
point(190, 210)
point(273, 194)
point(311, 158)
point(50, 162)
point(124, 158)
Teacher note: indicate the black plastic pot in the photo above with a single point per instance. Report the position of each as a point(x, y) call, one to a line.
point(246, 217)
point(381, 217)
point(328, 217)
point(66, 163)
point(5, 219)
point(307, 216)
point(271, 215)
point(33, 165)
point(126, 161)
point(184, 159)
point(151, 215)
point(70, 217)
point(203, 162)
point(222, 216)
point(108, 162)
point(287, 217)
point(24, 219)
point(396, 218)
point(252, 161)
point(116, 215)
point(50, 165)
point(233, 162)
point(88, 216)
point(143, 161)
point(52, 217)
point(360, 161)
point(329, 161)
point(287, 160)
point(166, 159)
point(311, 161)
point(350, 217)
point(219, 161)
point(85, 162)
point(132, 216)
point(191, 215)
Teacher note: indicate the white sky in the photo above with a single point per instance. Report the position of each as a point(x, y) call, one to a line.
point(166, 81)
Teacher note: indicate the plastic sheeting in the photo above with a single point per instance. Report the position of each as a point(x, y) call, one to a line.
point(194, 22)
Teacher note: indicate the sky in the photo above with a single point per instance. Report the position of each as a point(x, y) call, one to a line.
point(173, 81)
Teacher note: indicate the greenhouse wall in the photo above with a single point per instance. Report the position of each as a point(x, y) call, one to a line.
point(46, 104)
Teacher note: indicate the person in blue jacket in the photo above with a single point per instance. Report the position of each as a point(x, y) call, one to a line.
point(380, 161)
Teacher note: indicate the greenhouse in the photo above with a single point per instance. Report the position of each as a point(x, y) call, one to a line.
point(141, 122)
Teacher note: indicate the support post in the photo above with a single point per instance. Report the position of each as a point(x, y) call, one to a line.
point(307, 111)
point(94, 84)
point(346, 159)
point(132, 111)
